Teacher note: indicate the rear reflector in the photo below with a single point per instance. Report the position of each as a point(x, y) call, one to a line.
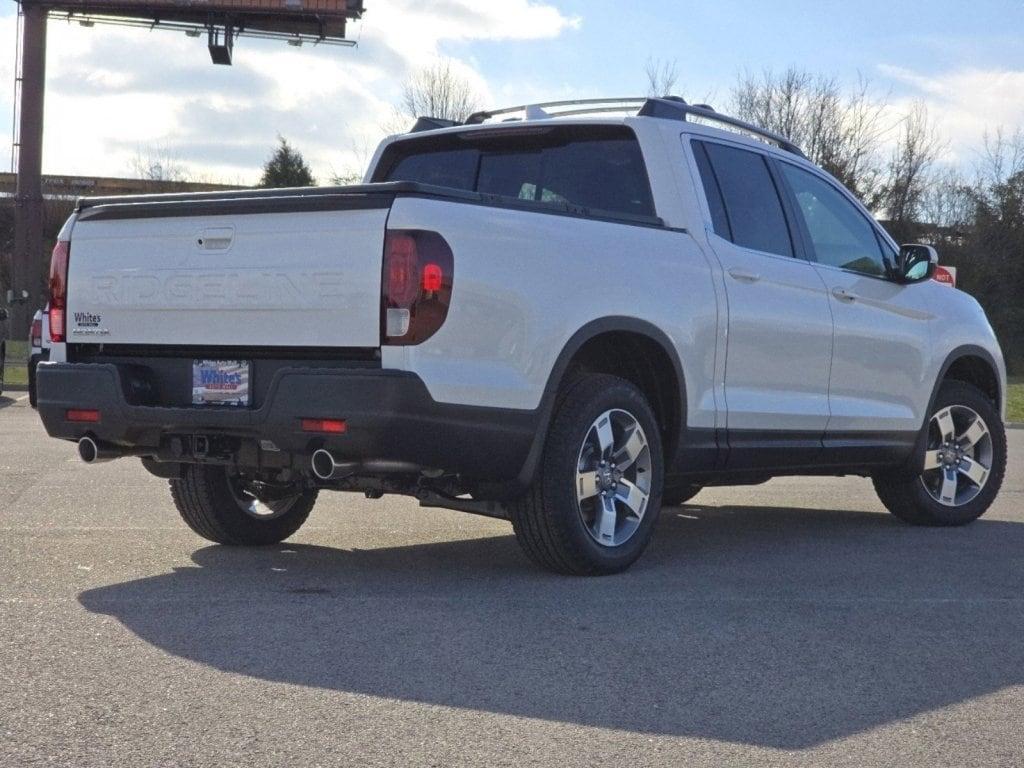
point(89, 417)
point(326, 426)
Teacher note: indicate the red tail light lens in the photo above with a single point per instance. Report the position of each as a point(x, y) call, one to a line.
point(416, 289)
point(59, 290)
point(36, 335)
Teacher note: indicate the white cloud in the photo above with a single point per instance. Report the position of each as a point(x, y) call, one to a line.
point(115, 92)
point(963, 103)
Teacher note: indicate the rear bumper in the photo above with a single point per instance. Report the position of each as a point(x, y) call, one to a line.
point(390, 416)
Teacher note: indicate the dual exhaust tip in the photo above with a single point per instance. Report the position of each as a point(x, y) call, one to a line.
point(323, 464)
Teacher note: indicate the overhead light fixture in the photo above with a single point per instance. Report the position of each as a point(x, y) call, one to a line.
point(193, 32)
point(86, 23)
point(295, 42)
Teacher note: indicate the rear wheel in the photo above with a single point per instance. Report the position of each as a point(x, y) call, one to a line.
point(222, 506)
point(597, 493)
point(962, 467)
point(33, 366)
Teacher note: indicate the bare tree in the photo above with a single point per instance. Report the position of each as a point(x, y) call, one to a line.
point(917, 148)
point(439, 91)
point(949, 201)
point(662, 76)
point(838, 130)
point(156, 164)
point(1002, 156)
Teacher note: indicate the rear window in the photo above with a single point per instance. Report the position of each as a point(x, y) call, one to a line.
point(599, 168)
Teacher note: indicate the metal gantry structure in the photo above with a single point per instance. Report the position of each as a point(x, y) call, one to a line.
point(294, 21)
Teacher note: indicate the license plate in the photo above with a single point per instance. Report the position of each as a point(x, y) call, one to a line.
point(220, 382)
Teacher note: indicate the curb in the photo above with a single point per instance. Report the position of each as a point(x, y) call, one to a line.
point(1015, 425)
point(24, 388)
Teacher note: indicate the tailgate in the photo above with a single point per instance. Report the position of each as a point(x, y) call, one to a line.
point(263, 279)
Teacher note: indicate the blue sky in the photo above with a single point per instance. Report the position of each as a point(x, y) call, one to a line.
point(117, 94)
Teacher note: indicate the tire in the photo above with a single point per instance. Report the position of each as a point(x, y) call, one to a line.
point(680, 496)
point(925, 497)
point(555, 528)
point(214, 506)
point(32, 368)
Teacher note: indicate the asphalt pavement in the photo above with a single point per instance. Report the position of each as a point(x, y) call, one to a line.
point(794, 623)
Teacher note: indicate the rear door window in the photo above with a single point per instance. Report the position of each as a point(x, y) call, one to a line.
point(597, 168)
point(753, 214)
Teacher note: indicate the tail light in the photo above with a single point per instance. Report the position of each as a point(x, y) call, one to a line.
point(59, 290)
point(36, 335)
point(416, 289)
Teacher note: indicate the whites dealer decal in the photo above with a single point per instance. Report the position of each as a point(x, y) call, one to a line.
point(88, 324)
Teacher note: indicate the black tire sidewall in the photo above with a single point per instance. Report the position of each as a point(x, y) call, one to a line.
point(958, 393)
point(210, 498)
point(581, 406)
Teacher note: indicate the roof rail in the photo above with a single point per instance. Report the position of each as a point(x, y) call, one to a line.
point(561, 108)
point(674, 108)
point(432, 124)
point(666, 107)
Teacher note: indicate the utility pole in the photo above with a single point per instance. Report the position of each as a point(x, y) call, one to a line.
point(28, 199)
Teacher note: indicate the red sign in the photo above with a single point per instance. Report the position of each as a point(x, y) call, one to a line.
point(946, 276)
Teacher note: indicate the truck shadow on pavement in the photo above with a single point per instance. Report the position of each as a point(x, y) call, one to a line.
point(776, 627)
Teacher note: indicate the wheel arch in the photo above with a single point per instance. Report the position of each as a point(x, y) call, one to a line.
point(973, 365)
point(651, 347)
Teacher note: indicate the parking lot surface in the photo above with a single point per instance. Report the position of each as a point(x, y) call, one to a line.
point(794, 623)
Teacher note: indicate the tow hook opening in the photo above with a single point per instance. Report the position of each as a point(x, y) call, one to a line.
point(200, 446)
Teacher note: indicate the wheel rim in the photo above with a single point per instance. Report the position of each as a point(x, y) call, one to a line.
point(250, 503)
point(958, 459)
point(613, 478)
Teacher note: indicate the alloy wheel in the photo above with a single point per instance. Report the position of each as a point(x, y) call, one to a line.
point(613, 478)
point(958, 459)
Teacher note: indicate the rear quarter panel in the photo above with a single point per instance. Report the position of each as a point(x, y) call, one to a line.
point(525, 282)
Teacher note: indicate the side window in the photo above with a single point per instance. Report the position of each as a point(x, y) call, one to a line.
point(840, 233)
point(753, 209)
point(712, 192)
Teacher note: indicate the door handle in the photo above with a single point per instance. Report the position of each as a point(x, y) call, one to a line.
point(743, 276)
point(844, 295)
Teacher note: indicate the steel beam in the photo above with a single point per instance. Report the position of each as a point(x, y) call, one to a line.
point(28, 253)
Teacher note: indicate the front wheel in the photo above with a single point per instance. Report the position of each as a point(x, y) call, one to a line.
point(225, 508)
point(963, 464)
point(597, 493)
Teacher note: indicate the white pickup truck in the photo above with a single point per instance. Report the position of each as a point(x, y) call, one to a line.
point(565, 319)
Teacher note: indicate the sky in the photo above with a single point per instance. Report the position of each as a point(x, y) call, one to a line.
point(115, 96)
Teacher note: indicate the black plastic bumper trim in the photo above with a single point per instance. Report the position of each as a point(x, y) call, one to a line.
point(390, 416)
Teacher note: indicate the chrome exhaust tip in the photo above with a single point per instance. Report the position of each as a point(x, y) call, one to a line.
point(89, 451)
point(92, 452)
point(325, 467)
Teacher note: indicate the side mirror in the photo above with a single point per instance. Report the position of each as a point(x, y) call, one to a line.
point(917, 263)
